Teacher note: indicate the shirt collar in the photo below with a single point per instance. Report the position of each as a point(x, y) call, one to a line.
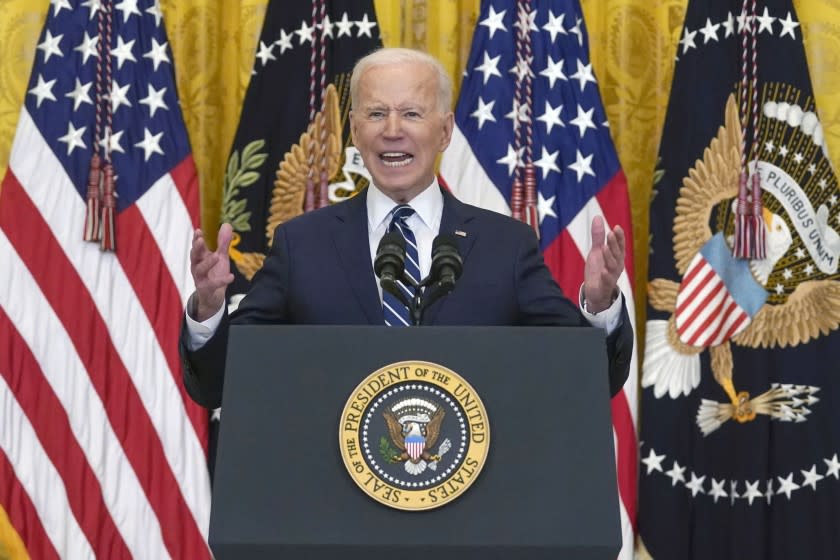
point(428, 205)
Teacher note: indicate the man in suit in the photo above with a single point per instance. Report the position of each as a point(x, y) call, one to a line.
point(320, 267)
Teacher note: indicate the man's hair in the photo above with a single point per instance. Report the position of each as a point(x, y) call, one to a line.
point(390, 56)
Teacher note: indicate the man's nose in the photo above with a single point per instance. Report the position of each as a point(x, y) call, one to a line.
point(393, 126)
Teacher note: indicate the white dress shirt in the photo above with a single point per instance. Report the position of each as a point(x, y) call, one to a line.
point(425, 224)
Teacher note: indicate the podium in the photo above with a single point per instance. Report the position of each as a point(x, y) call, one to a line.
point(547, 489)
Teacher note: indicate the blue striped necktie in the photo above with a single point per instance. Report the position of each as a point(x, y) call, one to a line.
point(397, 314)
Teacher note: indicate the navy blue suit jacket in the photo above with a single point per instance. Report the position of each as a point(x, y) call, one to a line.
point(319, 272)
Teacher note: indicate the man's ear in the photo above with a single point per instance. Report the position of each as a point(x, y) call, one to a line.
point(448, 125)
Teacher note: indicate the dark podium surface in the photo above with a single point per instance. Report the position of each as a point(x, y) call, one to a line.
point(547, 490)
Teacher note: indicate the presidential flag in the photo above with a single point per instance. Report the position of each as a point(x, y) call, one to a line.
point(740, 434)
point(531, 139)
point(292, 152)
point(102, 454)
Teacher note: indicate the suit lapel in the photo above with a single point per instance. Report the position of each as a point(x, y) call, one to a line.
point(456, 218)
point(350, 236)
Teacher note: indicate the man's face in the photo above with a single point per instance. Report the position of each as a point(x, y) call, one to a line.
point(399, 128)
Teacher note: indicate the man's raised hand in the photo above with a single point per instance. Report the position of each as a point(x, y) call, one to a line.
point(603, 266)
point(211, 272)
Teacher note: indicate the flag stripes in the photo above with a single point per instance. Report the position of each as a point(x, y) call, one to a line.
point(105, 324)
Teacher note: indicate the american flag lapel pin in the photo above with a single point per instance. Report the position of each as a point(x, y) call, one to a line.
point(460, 233)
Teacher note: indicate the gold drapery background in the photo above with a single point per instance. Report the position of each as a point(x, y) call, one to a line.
point(632, 42)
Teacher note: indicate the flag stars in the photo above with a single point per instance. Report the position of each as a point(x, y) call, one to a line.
point(783, 150)
point(779, 289)
point(555, 25)
point(155, 100)
point(119, 96)
point(787, 274)
point(49, 46)
point(687, 41)
point(155, 12)
point(512, 159)
point(59, 4)
point(157, 53)
point(553, 71)
point(285, 40)
point(264, 53)
point(800, 253)
point(484, 112)
point(93, 6)
point(787, 485)
point(42, 90)
point(305, 32)
point(150, 143)
point(128, 8)
point(798, 158)
point(812, 169)
point(729, 25)
point(583, 74)
point(547, 162)
point(789, 25)
point(752, 492)
point(522, 68)
point(822, 183)
point(551, 117)
point(87, 47)
point(696, 485)
point(576, 31)
point(676, 474)
point(489, 67)
point(583, 120)
point(653, 462)
point(832, 467)
point(365, 26)
point(326, 27)
point(493, 22)
point(582, 166)
point(122, 51)
point(545, 207)
point(79, 94)
point(111, 142)
point(808, 270)
point(765, 22)
point(344, 26)
point(73, 138)
point(519, 112)
point(709, 31)
point(733, 492)
point(812, 478)
point(768, 494)
point(717, 490)
point(769, 147)
point(526, 20)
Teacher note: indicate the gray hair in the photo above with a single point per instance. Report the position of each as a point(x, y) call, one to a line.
point(389, 56)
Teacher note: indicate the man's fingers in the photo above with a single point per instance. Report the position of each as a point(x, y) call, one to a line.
point(598, 231)
point(201, 269)
point(224, 239)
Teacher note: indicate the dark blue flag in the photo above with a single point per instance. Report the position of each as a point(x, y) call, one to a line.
point(740, 429)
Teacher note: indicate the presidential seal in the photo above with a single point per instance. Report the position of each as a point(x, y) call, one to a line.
point(414, 435)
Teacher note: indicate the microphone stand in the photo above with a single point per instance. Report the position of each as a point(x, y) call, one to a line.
point(422, 299)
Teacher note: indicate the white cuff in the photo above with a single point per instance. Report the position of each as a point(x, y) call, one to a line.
point(609, 319)
point(200, 333)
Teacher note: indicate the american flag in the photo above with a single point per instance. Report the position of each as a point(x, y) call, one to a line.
point(101, 452)
point(529, 65)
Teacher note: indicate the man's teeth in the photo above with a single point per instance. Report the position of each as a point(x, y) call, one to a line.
point(396, 159)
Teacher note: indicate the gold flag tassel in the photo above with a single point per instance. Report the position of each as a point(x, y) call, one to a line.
point(531, 217)
point(92, 215)
point(109, 205)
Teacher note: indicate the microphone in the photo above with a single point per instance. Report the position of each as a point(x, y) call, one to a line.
point(389, 263)
point(447, 264)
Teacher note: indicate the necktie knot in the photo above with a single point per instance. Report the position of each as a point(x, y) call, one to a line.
point(400, 214)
